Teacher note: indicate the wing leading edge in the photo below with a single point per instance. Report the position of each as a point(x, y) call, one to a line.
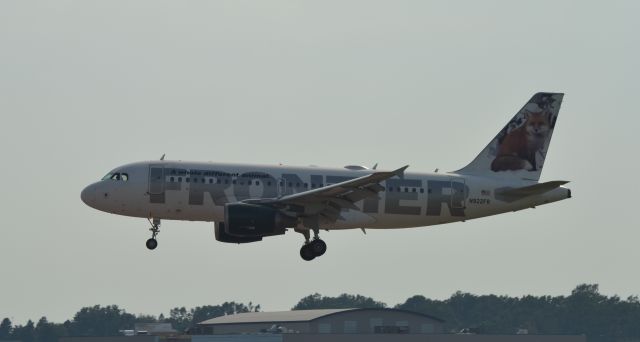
point(328, 201)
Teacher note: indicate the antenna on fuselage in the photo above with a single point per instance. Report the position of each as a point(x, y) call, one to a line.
point(374, 166)
point(162, 158)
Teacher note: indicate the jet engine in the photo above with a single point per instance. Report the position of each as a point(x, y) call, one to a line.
point(255, 221)
point(222, 236)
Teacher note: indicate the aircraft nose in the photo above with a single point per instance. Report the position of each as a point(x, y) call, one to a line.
point(88, 195)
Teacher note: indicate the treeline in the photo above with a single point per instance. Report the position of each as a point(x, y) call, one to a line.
point(111, 320)
point(584, 311)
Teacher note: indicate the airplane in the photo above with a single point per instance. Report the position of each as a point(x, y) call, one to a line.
point(249, 202)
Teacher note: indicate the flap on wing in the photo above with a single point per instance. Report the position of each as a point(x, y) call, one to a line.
point(512, 194)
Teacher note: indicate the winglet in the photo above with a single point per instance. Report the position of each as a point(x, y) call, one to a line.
point(400, 172)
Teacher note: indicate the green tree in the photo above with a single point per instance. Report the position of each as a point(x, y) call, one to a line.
point(49, 332)
point(180, 318)
point(101, 321)
point(142, 318)
point(24, 333)
point(5, 329)
point(343, 301)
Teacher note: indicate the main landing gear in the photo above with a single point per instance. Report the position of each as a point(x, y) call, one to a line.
point(155, 229)
point(312, 248)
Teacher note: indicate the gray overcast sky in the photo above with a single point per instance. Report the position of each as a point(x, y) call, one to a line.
point(89, 85)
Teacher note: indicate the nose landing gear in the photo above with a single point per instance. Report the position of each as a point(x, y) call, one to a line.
point(152, 243)
point(312, 248)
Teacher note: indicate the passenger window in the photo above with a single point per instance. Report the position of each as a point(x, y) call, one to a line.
point(179, 179)
point(422, 190)
point(248, 182)
point(186, 180)
point(171, 179)
point(219, 180)
point(268, 183)
point(306, 185)
point(210, 180)
point(234, 181)
point(257, 182)
point(413, 190)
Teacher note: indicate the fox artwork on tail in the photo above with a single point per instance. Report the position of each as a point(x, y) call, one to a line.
point(519, 148)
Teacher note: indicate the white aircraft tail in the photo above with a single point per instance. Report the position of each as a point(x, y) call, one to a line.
point(521, 146)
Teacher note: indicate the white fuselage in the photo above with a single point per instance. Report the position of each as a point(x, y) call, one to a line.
point(176, 190)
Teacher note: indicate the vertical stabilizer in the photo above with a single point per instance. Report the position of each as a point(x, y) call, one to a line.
point(521, 146)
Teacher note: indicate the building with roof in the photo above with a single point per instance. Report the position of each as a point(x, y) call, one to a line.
point(335, 325)
point(158, 329)
point(387, 338)
point(325, 321)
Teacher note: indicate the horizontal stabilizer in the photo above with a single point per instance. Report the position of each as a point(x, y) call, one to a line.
point(513, 194)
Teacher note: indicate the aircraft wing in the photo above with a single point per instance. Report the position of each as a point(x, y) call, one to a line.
point(328, 201)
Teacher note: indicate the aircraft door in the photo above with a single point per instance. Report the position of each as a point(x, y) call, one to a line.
point(282, 187)
point(156, 180)
point(458, 195)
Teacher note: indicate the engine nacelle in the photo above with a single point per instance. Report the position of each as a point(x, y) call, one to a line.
point(222, 236)
point(252, 220)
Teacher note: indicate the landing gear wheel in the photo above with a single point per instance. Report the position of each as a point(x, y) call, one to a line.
point(155, 229)
point(152, 243)
point(306, 252)
point(318, 247)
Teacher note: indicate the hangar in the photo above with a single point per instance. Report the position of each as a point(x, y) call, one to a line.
point(324, 321)
point(335, 325)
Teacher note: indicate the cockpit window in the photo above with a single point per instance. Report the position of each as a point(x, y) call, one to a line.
point(116, 176)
